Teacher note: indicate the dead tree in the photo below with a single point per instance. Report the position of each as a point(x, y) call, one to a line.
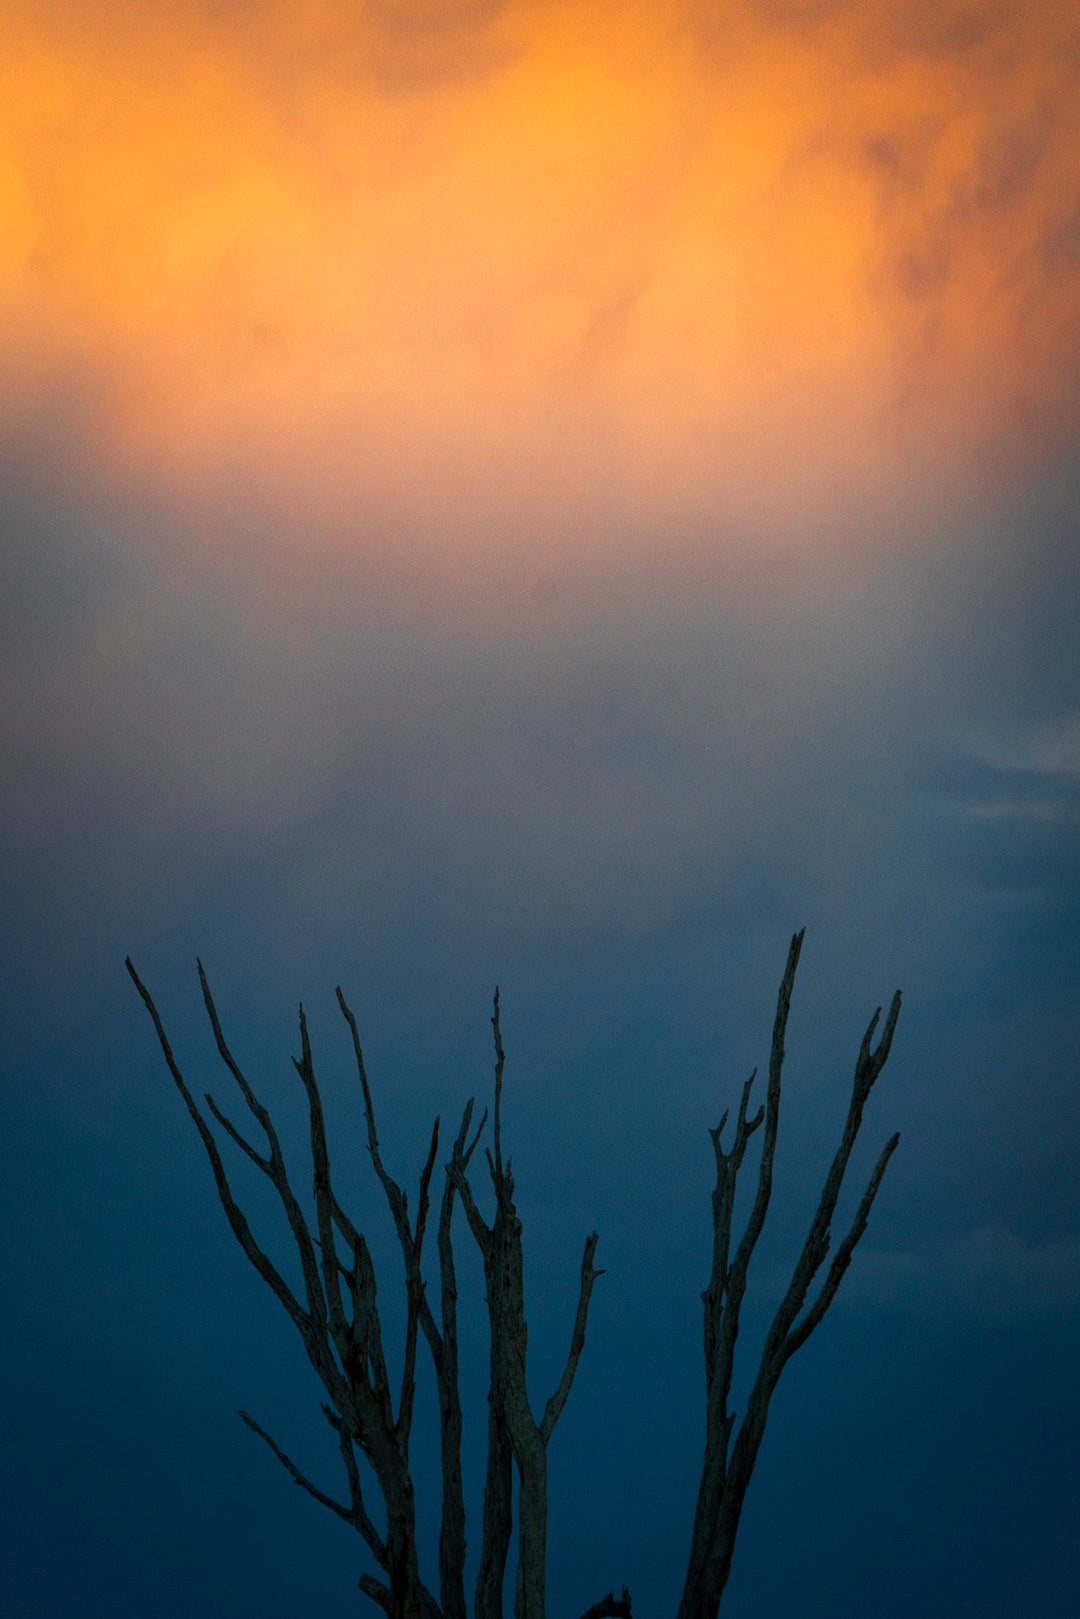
point(726, 1471)
point(341, 1331)
point(342, 1334)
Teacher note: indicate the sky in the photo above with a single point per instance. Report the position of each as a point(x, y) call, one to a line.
point(558, 495)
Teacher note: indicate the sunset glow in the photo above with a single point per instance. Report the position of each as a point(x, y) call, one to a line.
point(497, 275)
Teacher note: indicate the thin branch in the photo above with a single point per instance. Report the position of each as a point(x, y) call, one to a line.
point(772, 1114)
point(245, 1146)
point(480, 1231)
point(842, 1258)
point(358, 1388)
point(500, 1059)
point(348, 1513)
point(725, 1295)
point(241, 1229)
point(414, 1289)
point(868, 1066)
point(444, 1351)
point(294, 1214)
point(722, 1301)
point(227, 1058)
point(554, 1408)
point(366, 1338)
point(352, 1473)
point(390, 1186)
point(325, 1201)
point(395, 1197)
point(724, 1479)
point(493, 1244)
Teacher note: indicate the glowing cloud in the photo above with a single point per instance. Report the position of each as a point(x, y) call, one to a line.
point(537, 276)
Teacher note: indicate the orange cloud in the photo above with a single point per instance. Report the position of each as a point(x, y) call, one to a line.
point(539, 276)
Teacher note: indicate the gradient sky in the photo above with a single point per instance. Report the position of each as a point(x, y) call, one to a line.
point(556, 494)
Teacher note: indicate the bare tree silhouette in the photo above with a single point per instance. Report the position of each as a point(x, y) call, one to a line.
point(338, 1321)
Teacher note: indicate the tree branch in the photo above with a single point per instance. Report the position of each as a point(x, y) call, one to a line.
point(324, 1198)
point(842, 1258)
point(348, 1513)
point(245, 1146)
point(367, 1529)
point(415, 1299)
point(315, 1340)
point(358, 1387)
point(867, 1068)
point(500, 1059)
point(724, 1479)
point(444, 1351)
point(772, 1117)
point(554, 1408)
point(377, 1591)
point(233, 1213)
point(394, 1196)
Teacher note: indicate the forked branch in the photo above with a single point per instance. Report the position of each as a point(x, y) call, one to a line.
point(343, 1345)
point(726, 1472)
point(339, 1322)
point(512, 1427)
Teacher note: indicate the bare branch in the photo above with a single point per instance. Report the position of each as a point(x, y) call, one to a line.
point(867, 1068)
point(298, 1478)
point(241, 1229)
point(359, 1389)
point(366, 1349)
point(415, 1300)
point(352, 1473)
point(842, 1258)
point(724, 1479)
point(472, 1213)
point(409, 1240)
point(309, 1265)
point(248, 1094)
point(772, 1116)
point(325, 1202)
point(444, 1350)
point(554, 1408)
point(343, 1336)
point(498, 1472)
point(245, 1146)
point(722, 1302)
point(500, 1059)
point(394, 1195)
point(511, 1424)
point(378, 1592)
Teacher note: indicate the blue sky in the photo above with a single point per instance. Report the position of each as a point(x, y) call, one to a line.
point(620, 825)
point(603, 729)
